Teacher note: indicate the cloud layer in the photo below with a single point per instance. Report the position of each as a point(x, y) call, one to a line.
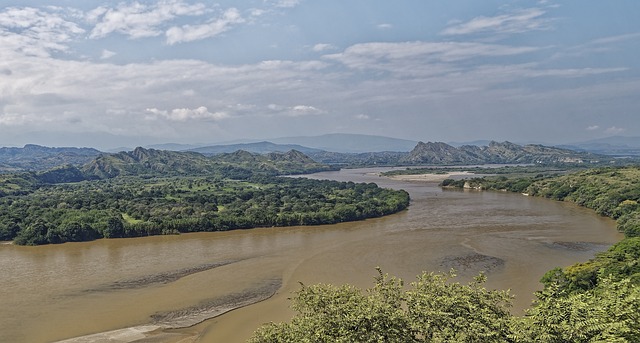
point(65, 70)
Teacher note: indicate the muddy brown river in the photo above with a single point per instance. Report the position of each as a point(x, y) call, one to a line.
point(141, 287)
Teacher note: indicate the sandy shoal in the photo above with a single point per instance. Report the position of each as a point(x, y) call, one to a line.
point(430, 177)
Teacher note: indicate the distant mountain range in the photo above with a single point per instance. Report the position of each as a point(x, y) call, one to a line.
point(350, 143)
point(36, 157)
point(495, 153)
point(615, 146)
point(257, 148)
point(366, 144)
point(153, 162)
point(269, 155)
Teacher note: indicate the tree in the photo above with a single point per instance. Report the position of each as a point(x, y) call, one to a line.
point(444, 311)
point(607, 313)
point(34, 234)
point(115, 228)
point(8, 230)
point(433, 310)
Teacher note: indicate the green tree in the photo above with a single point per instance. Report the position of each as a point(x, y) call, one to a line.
point(445, 311)
point(433, 310)
point(34, 234)
point(115, 228)
point(607, 313)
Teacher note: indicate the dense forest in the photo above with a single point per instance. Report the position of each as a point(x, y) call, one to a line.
point(595, 301)
point(152, 192)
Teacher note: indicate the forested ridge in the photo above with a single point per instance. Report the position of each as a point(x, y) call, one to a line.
point(594, 301)
point(150, 192)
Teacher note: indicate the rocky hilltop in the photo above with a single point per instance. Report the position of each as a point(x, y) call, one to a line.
point(153, 162)
point(495, 152)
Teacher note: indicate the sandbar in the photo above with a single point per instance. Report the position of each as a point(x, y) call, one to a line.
point(430, 177)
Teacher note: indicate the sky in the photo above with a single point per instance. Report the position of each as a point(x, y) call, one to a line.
point(110, 74)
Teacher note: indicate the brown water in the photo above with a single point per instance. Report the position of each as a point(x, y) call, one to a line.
point(57, 292)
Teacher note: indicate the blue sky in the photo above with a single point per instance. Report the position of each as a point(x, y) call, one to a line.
point(111, 74)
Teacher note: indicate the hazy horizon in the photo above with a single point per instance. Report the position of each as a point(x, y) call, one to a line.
point(138, 73)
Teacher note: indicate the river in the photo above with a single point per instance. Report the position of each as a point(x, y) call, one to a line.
point(57, 292)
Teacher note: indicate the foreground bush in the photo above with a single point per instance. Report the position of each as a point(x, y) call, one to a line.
point(435, 309)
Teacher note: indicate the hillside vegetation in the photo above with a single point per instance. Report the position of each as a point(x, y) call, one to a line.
point(35, 157)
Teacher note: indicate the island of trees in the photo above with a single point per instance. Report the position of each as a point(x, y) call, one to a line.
point(150, 192)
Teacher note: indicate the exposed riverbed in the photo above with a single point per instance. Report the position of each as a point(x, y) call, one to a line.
point(142, 286)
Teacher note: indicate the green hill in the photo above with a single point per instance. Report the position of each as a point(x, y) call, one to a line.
point(33, 157)
point(239, 164)
point(495, 152)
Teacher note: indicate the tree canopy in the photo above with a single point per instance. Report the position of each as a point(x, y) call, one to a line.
point(436, 309)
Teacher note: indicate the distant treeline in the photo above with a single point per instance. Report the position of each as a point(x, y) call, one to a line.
point(133, 206)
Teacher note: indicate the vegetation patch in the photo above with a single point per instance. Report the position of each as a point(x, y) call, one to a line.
point(134, 207)
point(435, 308)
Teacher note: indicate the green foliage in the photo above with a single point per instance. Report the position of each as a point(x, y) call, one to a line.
point(240, 165)
point(432, 310)
point(33, 234)
point(436, 309)
point(607, 313)
point(154, 206)
point(151, 192)
point(61, 174)
point(619, 262)
point(629, 223)
point(444, 311)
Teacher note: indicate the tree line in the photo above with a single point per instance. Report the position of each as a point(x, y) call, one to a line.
point(134, 206)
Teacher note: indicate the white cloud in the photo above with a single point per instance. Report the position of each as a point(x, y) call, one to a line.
point(304, 110)
point(385, 55)
point(295, 111)
point(188, 33)
point(514, 22)
point(598, 46)
point(592, 127)
point(13, 119)
point(363, 117)
point(615, 39)
point(187, 114)
point(106, 54)
point(34, 32)
point(323, 47)
point(138, 20)
point(529, 70)
point(614, 130)
point(385, 26)
point(286, 3)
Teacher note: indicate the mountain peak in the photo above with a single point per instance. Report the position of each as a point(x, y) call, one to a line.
point(495, 152)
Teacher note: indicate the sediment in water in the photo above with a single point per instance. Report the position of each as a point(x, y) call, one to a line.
point(162, 323)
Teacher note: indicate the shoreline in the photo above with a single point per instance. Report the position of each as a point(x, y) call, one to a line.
point(164, 327)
